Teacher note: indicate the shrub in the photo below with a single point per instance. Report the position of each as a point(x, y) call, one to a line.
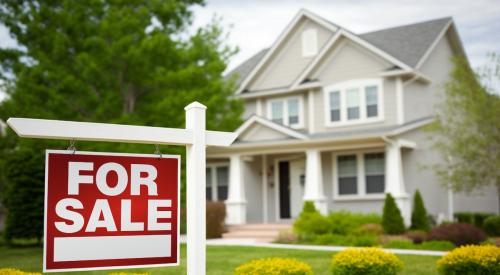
point(419, 220)
point(366, 261)
point(374, 229)
point(310, 222)
point(457, 233)
point(392, 221)
point(471, 260)
point(274, 266)
point(12, 271)
point(286, 236)
point(216, 213)
point(417, 237)
point(492, 225)
point(345, 222)
point(346, 240)
point(430, 245)
point(475, 218)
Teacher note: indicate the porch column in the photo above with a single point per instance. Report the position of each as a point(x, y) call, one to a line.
point(236, 201)
point(314, 181)
point(395, 180)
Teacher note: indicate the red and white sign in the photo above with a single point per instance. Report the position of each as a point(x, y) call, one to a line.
point(109, 210)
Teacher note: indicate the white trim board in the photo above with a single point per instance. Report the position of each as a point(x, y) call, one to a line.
point(282, 129)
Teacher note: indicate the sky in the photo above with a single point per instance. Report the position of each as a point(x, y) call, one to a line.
point(254, 25)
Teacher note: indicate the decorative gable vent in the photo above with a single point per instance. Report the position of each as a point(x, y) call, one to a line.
point(309, 42)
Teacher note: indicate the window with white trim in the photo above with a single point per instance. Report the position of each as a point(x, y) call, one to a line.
point(286, 111)
point(309, 42)
point(354, 101)
point(359, 174)
point(217, 182)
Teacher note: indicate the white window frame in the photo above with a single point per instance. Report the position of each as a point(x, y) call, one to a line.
point(361, 180)
point(213, 168)
point(360, 84)
point(286, 121)
point(309, 42)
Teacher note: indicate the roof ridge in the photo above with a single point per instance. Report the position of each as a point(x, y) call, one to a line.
point(408, 25)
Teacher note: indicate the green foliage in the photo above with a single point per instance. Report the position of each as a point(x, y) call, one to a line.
point(419, 220)
point(104, 61)
point(392, 221)
point(346, 240)
point(492, 225)
point(310, 222)
point(23, 195)
point(471, 260)
point(467, 128)
point(430, 245)
point(366, 261)
point(274, 266)
point(345, 222)
point(474, 218)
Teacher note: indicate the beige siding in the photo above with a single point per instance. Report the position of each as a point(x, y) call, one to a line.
point(288, 63)
point(420, 99)
point(250, 108)
point(260, 133)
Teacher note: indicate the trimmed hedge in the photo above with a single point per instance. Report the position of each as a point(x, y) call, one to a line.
point(457, 233)
point(471, 260)
point(216, 214)
point(492, 225)
point(392, 221)
point(366, 261)
point(274, 266)
point(474, 218)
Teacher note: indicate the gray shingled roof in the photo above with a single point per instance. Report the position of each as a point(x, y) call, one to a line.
point(407, 43)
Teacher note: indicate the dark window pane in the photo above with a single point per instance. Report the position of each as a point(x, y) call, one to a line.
point(209, 193)
point(375, 184)
point(348, 186)
point(293, 120)
point(352, 113)
point(222, 193)
point(278, 120)
point(335, 115)
point(371, 111)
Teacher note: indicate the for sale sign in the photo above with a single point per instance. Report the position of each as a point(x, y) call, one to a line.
point(108, 210)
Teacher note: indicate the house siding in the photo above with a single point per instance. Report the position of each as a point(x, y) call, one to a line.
point(288, 62)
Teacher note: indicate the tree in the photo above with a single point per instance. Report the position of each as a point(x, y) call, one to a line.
point(419, 220)
point(392, 221)
point(130, 62)
point(467, 129)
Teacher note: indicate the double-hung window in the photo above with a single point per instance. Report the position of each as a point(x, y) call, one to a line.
point(286, 111)
point(217, 182)
point(355, 101)
point(359, 174)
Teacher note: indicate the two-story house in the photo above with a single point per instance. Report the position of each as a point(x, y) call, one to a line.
point(337, 118)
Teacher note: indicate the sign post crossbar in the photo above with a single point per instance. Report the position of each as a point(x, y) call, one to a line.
point(195, 137)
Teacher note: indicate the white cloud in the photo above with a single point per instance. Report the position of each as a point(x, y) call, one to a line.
point(256, 24)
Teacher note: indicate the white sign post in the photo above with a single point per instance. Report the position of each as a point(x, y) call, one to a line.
point(194, 137)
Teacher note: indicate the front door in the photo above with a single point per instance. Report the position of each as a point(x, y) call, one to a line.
point(284, 187)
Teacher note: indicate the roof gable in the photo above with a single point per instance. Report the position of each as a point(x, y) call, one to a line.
point(257, 128)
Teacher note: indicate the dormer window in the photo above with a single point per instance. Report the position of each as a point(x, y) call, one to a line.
point(309, 42)
point(355, 101)
point(286, 111)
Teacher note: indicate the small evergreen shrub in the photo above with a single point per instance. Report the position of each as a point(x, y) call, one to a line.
point(392, 221)
point(471, 260)
point(457, 233)
point(366, 261)
point(419, 220)
point(216, 214)
point(274, 266)
point(492, 225)
point(12, 271)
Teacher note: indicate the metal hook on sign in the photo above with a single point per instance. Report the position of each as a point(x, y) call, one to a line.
point(72, 146)
point(157, 150)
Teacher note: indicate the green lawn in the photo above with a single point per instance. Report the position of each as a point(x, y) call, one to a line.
point(220, 260)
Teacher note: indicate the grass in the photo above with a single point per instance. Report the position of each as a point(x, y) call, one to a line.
point(220, 260)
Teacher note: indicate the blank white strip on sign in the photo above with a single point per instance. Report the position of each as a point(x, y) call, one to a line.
point(111, 247)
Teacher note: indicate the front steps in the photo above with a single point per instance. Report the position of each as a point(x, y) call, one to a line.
point(265, 233)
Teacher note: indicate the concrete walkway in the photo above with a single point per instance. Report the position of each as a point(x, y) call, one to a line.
point(253, 243)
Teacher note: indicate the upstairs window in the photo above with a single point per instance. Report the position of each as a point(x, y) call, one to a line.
point(355, 101)
point(286, 111)
point(309, 42)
